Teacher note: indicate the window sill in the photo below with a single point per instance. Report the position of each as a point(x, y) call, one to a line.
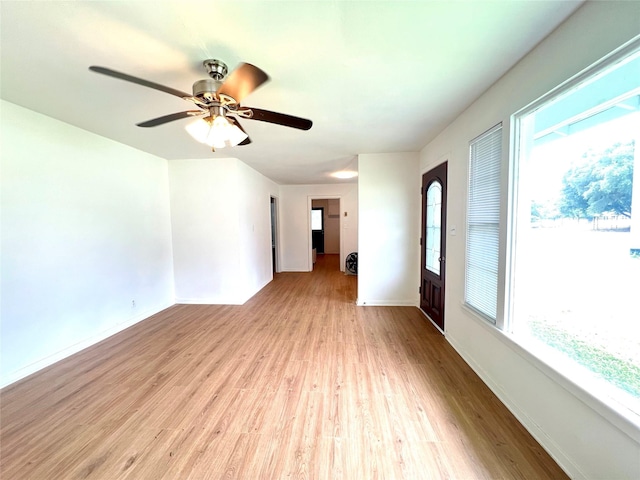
point(611, 410)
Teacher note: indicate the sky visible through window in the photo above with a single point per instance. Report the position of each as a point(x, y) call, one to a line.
point(550, 161)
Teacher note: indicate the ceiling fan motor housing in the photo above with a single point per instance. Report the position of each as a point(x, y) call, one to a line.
point(206, 88)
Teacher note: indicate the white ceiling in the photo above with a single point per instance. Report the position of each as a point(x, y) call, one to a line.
point(373, 76)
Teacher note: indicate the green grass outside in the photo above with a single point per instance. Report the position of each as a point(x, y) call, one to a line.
point(615, 370)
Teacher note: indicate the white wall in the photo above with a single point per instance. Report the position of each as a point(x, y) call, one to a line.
point(389, 229)
point(586, 438)
point(220, 215)
point(85, 233)
point(295, 229)
point(254, 203)
point(332, 226)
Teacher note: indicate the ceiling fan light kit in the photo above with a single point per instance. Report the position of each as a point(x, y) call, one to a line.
point(216, 132)
point(218, 100)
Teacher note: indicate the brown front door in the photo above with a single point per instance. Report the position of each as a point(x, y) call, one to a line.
point(433, 241)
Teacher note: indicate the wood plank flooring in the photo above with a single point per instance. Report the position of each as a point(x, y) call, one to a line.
point(296, 383)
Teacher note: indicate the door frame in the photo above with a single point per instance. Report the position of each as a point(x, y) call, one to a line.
point(274, 225)
point(310, 199)
point(443, 178)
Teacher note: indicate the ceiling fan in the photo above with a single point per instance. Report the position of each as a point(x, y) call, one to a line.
point(218, 101)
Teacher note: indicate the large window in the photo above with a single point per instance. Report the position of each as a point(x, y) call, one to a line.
point(575, 237)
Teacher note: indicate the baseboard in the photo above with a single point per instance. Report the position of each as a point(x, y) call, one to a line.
point(222, 301)
point(550, 446)
point(386, 303)
point(72, 349)
point(209, 301)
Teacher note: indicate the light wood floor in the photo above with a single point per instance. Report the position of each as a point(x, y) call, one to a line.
point(297, 383)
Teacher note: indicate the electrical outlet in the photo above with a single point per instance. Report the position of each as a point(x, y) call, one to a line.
point(133, 304)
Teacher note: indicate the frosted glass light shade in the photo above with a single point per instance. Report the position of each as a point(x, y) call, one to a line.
point(345, 174)
point(218, 133)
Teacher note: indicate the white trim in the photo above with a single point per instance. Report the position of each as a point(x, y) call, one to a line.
point(75, 348)
point(592, 70)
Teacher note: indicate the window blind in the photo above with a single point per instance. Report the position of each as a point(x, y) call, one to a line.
point(483, 222)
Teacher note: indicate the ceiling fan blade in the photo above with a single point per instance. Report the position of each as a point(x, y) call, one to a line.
point(242, 81)
point(235, 121)
point(139, 81)
point(280, 119)
point(170, 118)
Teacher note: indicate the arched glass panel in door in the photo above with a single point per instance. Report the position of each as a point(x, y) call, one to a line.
point(433, 227)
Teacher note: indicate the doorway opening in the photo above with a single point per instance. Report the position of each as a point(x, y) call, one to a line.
point(274, 234)
point(317, 229)
point(325, 232)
